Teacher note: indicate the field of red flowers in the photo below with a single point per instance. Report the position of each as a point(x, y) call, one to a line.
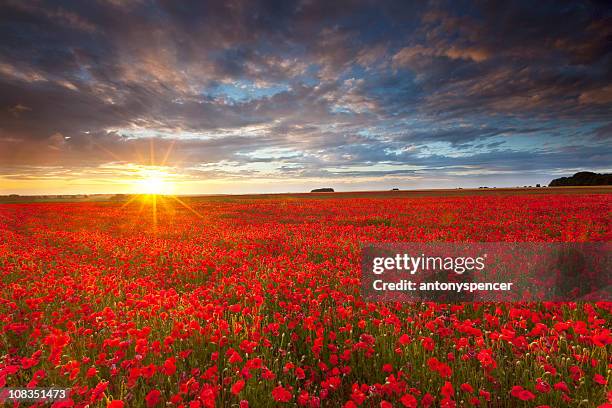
point(254, 302)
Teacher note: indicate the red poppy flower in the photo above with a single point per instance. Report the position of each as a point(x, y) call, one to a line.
point(299, 373)
point(600, 379)
point(542, 386)
point(427, 400)
point(485, 394)
point(447, 390)
point(170, 366)
point(465, 387)
point(404, 339)
point(521, 393)
point(153, 398)
point(561, 386)
point(280, 394)
point(409, 401)
point(428, 343)
point(237, 387)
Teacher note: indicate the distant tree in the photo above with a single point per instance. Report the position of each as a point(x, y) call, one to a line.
point(322, 190)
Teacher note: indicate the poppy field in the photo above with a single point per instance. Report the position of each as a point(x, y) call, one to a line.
point(254, 302)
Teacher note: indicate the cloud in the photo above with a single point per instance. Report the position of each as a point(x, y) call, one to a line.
point(410, 56)
point(598, 96)
point(313, 85)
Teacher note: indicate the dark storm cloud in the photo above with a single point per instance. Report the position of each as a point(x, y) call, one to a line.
point(306, 87)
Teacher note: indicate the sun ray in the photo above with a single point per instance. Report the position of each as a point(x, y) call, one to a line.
point(168, 151)
point(151, 152)
point(133, 198)
point(186, 206)
point(168, 208)
point(154, 211)
point(105, 150)
point(142, 205)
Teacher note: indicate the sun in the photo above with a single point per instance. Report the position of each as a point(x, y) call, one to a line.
point(153, 185)
point(154, 182)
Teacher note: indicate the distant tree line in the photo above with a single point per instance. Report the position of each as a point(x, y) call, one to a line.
point(583, 178)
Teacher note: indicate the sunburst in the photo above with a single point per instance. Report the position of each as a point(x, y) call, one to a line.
point(154, 184)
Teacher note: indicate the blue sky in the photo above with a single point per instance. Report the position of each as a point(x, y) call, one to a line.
point(258, 96)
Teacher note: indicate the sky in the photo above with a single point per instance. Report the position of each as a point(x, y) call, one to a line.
point(277, 96)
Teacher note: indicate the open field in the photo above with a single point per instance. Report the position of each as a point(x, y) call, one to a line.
point(254, 301)
point(455, 192)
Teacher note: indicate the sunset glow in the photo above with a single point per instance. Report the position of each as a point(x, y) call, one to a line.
point(153, 182)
